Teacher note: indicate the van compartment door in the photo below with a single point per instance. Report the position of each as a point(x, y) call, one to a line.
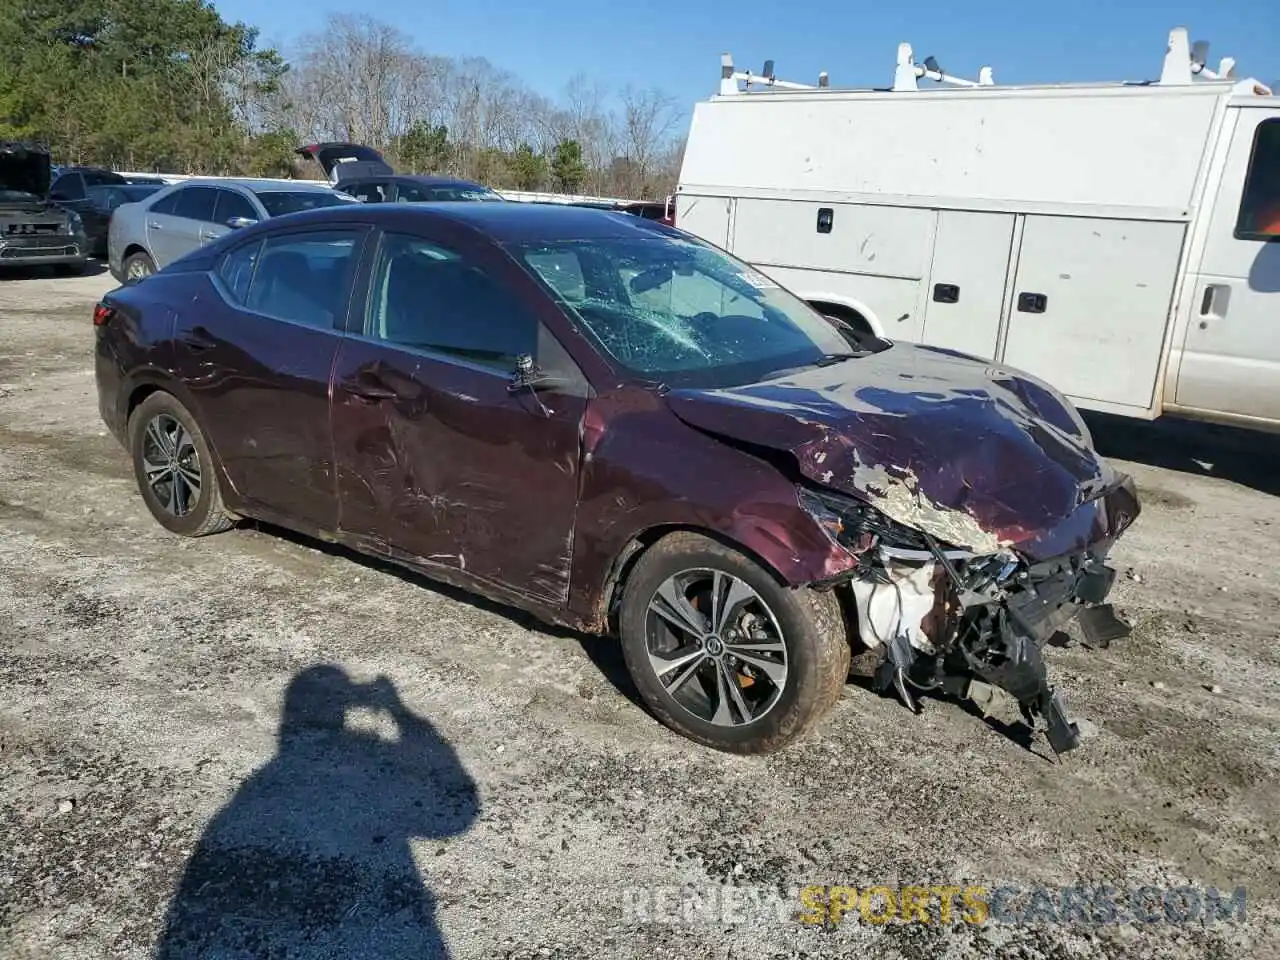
point(705, 217)
point(1091, 304)
point(965, 289)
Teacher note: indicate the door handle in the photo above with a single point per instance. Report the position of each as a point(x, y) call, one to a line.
point(152, 225)
point(1213, 306)
point(198, 339)
point(369, 389)
point(1032, 303)
point(946, 293)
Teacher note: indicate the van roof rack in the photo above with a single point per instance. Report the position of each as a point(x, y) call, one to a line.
point(1184, 62)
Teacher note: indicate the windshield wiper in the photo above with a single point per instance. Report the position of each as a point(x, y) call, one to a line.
point(830, 359)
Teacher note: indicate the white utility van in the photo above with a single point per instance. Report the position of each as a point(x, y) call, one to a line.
point(1121, 241)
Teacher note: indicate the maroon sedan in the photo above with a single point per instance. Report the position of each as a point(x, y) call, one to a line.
point(620, 428)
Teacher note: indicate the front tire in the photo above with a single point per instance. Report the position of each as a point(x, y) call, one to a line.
point(137, 266)
point(725, 655)
point(174, 468)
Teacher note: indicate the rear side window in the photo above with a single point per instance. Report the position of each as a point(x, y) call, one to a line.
point(236, 271)
point(303, 277)
point(100, 178)
point(1260, 210)
point(69, 186)
point(231, 205)
point(196, 203)
point(168, 203)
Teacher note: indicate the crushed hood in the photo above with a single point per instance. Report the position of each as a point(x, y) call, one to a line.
point(25, 168)
point(973, 453)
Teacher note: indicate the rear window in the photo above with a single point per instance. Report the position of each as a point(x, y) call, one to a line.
point(281, 202)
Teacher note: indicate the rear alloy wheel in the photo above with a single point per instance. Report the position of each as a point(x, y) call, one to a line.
point(138, 266)
point(174, 468)
point(724, 654)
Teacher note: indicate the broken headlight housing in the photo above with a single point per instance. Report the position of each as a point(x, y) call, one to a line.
point(860, 528)
point(946, 618)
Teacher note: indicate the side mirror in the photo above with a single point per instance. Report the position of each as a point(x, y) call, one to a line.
point(235, 223)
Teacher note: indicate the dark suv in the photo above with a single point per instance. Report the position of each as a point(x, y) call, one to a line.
point(34, 230)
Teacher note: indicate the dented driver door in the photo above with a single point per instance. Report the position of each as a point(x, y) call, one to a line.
point(442, 455)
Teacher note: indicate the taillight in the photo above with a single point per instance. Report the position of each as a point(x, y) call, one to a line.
point(102, 314)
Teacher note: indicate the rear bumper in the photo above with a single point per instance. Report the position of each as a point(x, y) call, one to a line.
point(46, 249)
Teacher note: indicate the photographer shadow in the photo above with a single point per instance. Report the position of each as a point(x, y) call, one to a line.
point(312, 856)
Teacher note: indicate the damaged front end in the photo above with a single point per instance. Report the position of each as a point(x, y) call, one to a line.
point(934, 618)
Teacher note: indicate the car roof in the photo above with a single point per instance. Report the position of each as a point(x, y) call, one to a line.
point(510, 221)
point(258, 186)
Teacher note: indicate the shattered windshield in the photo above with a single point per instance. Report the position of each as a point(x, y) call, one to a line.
point(682, 312)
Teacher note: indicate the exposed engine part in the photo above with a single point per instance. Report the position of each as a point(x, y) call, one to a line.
point(974, 627)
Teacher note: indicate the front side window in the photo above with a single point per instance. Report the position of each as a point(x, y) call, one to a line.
point(303, 277)
point(369, 192)
point(1260, 210)
point(196, 203)
point(681, 311)
point(427, 297)
point(235, 270)
point(233, 205)
point(281, 202)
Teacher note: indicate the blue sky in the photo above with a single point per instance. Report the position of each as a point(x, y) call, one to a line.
point(676, 44)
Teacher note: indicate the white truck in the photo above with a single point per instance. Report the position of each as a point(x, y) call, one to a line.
point(1119, 240)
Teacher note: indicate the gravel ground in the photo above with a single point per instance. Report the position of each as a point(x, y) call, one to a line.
point(168, 739)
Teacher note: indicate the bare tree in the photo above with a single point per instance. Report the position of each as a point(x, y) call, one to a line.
point(366, 81)
point(649, 123)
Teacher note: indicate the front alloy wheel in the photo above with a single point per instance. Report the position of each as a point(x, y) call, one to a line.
point(725, 654)
point(716, 647)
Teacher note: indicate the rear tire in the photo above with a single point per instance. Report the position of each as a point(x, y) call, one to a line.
point(174, 468)
point(764, 674)
point(137, 266)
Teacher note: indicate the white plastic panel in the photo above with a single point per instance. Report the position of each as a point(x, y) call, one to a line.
point(887, 303)
point(884, 241)
point(705, 217)
point(1108, 287)
point(971, 252)
point(1128, 147)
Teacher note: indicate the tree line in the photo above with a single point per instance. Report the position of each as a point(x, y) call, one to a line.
point(170, 86)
